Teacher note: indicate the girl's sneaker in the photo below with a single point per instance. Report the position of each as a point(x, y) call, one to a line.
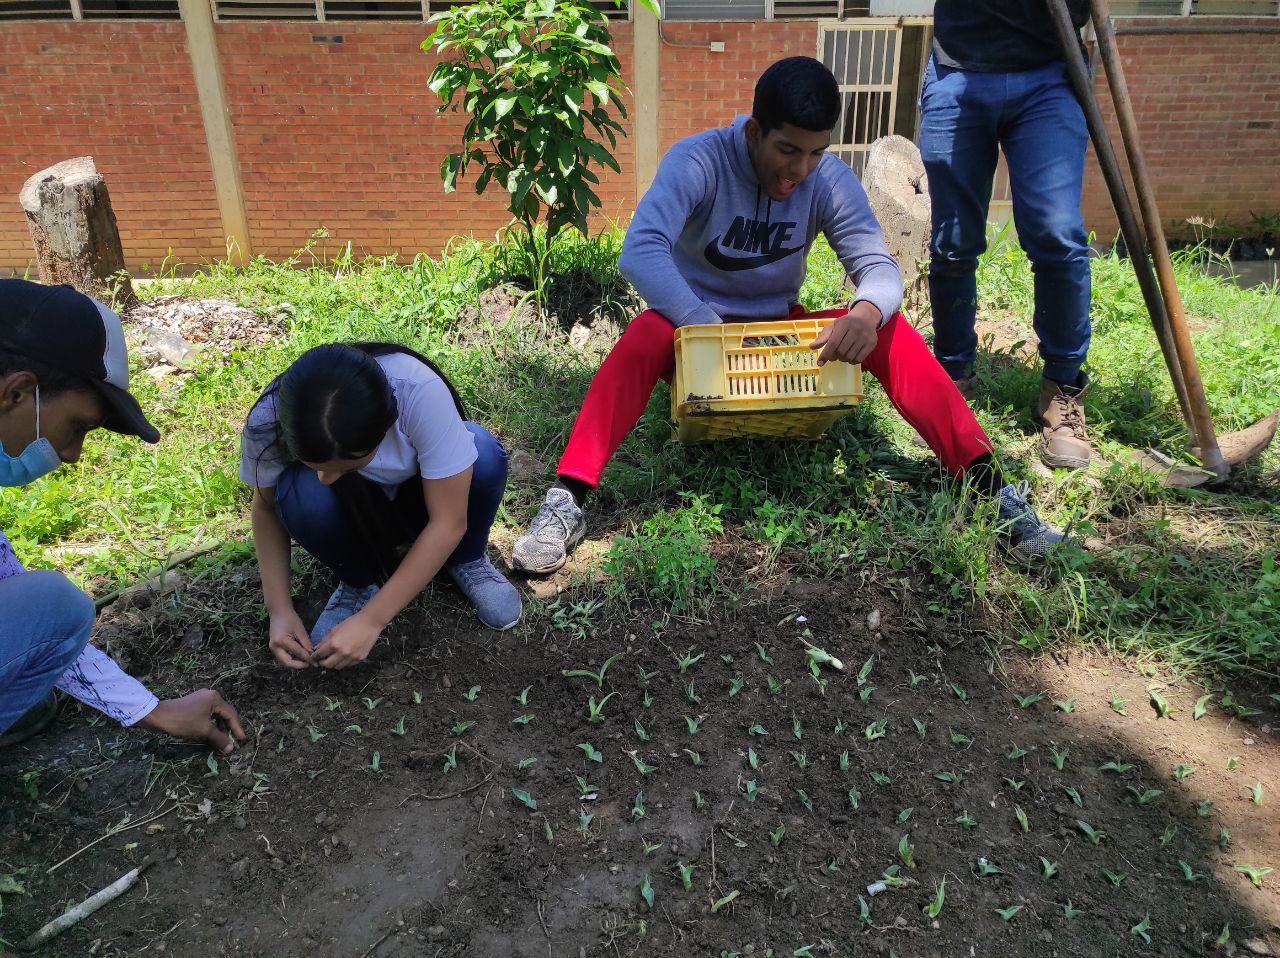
point(345, 602)
point(496, 600)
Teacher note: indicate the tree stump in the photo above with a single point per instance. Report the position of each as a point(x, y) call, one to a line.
point(74, 230)
point(899, 196)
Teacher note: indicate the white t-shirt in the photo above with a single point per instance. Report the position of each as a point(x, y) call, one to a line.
point(429, 438)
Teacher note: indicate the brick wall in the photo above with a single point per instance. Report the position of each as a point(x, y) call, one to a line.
point(701, 89)
point(1208, 113)
point(124, 94)
point(344, 136)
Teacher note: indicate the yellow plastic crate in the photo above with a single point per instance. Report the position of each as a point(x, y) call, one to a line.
point(758, 379)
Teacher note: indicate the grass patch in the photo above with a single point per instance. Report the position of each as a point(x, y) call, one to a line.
point(1190, 576)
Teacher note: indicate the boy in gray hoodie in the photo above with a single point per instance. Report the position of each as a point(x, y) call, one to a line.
point(723, 235)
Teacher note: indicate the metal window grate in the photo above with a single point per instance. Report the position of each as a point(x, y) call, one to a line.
point(715, 9)
point(265, 10)
point(130, 9)
point(350, 10)
point(1235, 8)
point(864, 58)
point(1146, 8)
point(805, 9)
point(375, 10)
point(35, 10)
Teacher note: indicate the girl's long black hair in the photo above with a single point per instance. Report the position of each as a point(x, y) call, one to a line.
point(335, 402)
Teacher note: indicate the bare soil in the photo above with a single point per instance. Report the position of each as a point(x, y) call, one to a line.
point(330, 834)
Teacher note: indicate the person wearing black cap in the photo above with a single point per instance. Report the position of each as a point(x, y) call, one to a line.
point(64, 371)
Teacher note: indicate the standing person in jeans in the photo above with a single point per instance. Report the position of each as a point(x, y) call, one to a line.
point(64, 372)
point(723, 234)
point(997, 79)
point(361, 453)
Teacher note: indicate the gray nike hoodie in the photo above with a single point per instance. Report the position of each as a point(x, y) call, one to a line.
point(707, 244)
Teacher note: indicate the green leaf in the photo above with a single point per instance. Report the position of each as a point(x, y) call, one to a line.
point(1120, 768)
point(1008, 913)
point(525, 797)
point(1201, 707)
point(1144, 797)
point(1160, 704)
point(450, 166)
point(1189, 874)
point(646, 891)
point(934, 908)
point(503, 105)
point(725, 901)
point(1141, 929)
point(590, 751)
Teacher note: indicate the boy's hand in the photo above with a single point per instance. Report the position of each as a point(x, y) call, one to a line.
point(851, 337)
point(200, 715)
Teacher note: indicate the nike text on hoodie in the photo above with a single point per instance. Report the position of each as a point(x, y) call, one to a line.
point(707, 243)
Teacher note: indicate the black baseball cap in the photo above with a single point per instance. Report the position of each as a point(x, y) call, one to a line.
point(63, 328)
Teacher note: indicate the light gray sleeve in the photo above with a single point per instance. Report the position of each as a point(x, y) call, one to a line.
point(647, 259)
point(261, 460)
point(97, 680)
point(851, 228)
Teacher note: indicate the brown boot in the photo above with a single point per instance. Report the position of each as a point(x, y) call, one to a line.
point(1064, 443)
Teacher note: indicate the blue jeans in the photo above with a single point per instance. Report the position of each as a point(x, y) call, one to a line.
point(355, 530)
point(45, 623)
point(964, 118)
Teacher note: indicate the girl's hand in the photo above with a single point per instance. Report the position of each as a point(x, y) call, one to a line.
point(348, 644)
point(290, 643)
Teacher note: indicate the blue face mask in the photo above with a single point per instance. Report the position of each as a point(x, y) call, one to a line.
point(38, 459)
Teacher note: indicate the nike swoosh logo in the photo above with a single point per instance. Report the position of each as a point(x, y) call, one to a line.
point(720, 260)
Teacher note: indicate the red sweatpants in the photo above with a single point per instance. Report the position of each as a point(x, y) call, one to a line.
point(918, 387)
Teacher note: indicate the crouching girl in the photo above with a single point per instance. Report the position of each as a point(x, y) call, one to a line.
point(361, 453)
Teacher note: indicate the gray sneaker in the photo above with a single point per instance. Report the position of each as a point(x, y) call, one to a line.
point(1030, 537)
point(496, 601)
point(559, 526)
point(345, 602)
